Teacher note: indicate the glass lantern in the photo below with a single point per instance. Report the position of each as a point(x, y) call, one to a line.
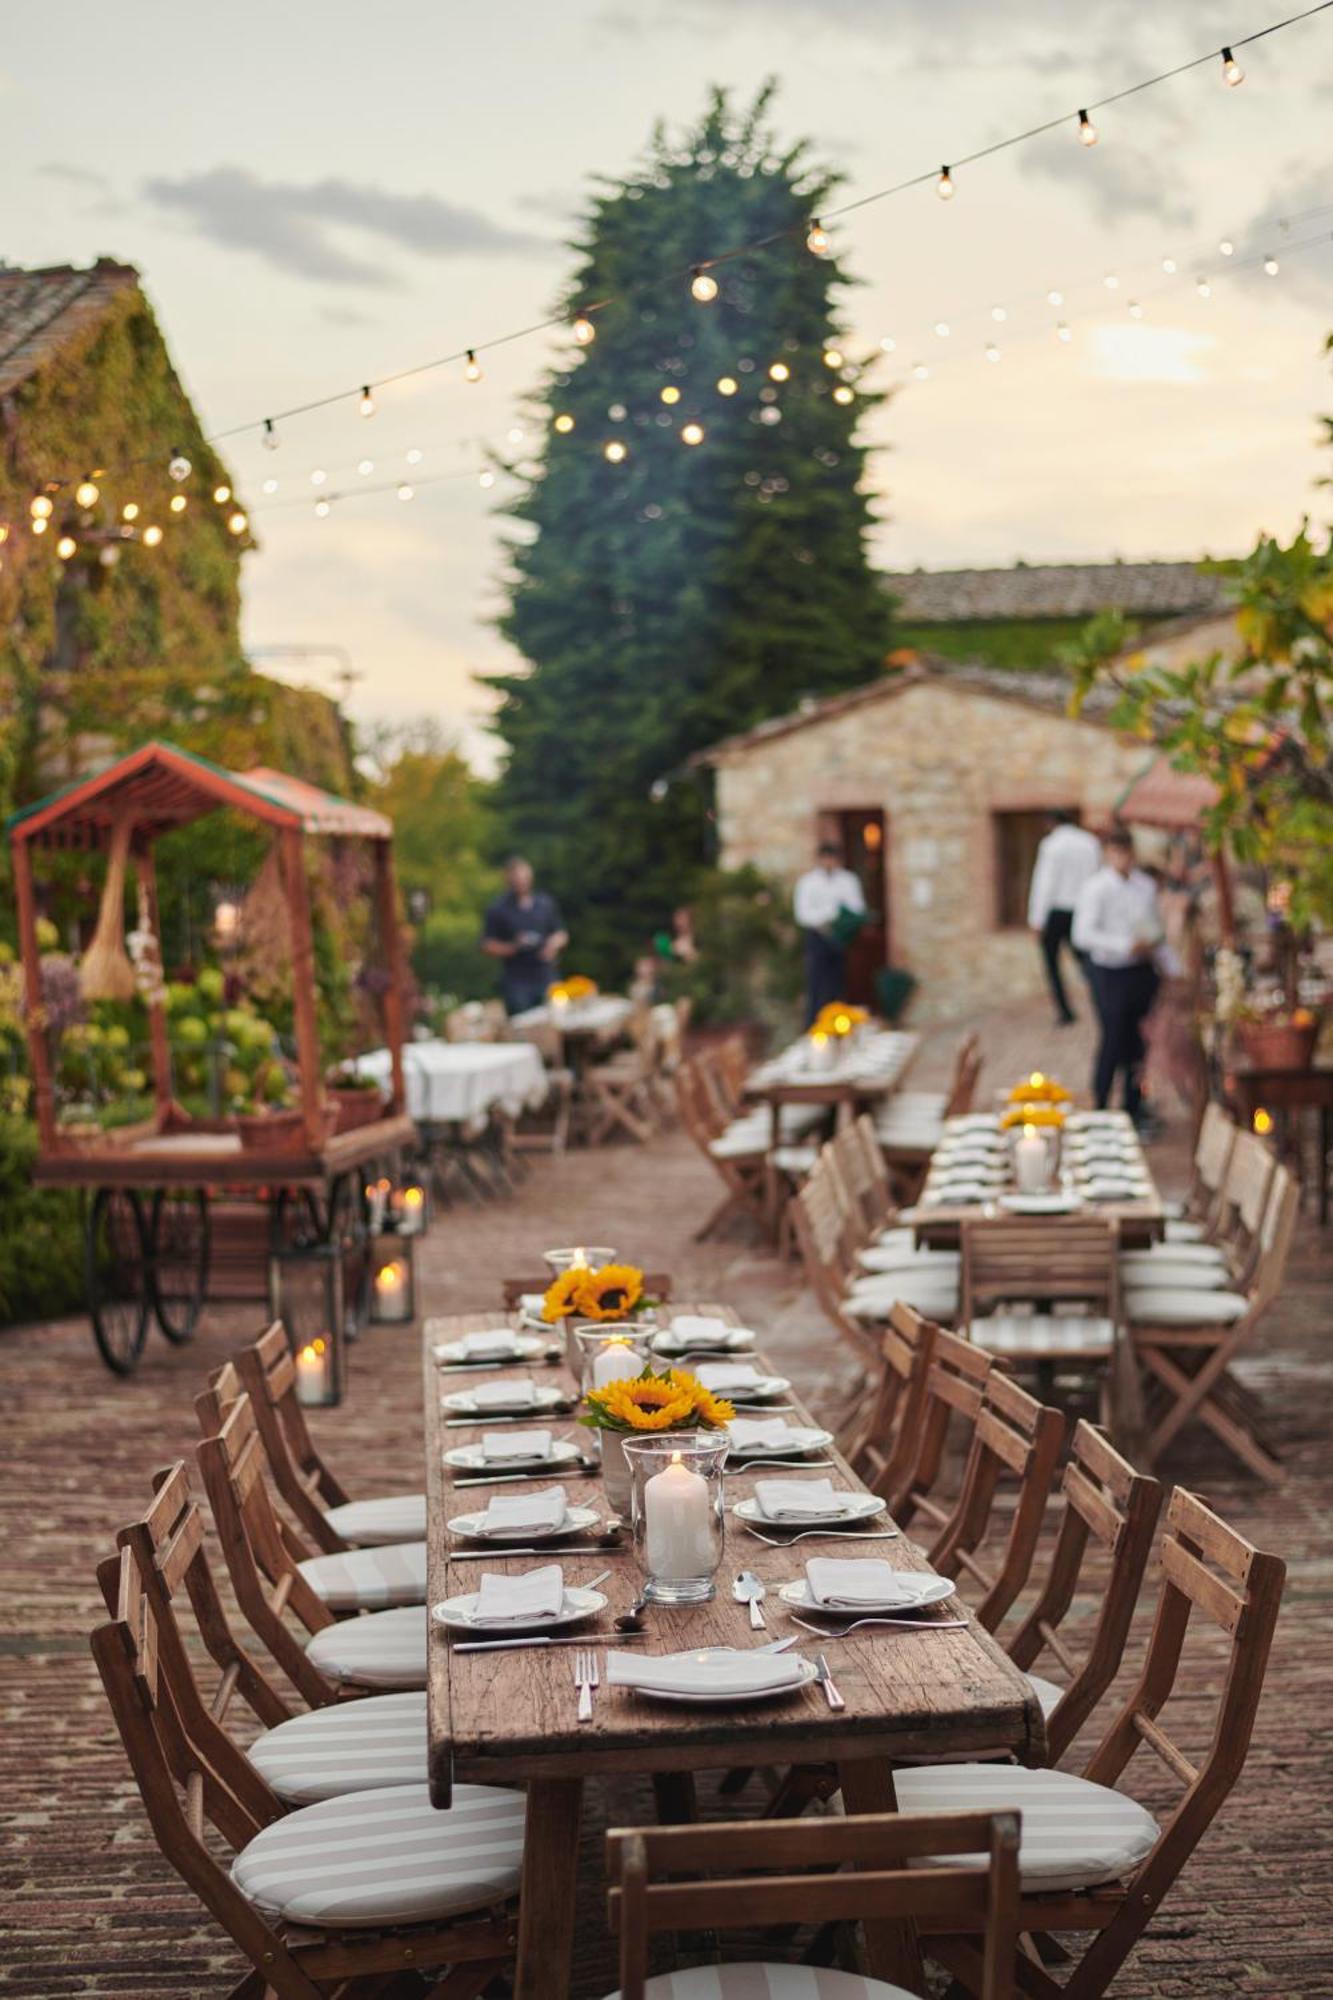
point(578, 1258)
point(306, 1294)
point(608, 1351)
point(392, 1281)
point(677, 1512)
point(409, 1208)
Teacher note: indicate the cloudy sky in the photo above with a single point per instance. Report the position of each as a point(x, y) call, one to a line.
point(318, 193)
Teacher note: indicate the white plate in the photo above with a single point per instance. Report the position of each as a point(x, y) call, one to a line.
point(924, 1590)
point(799, 1440)
point(453, 1352)
point(456, 1614)
point(738, 1340)
point(809, 1673)
point(766, 1390)
point(469, 1458)
point(1039, 1204)
point(860, 1507)
point(952, 1196)
point(973, 1121)
point(1097, 1189)
point(577, 1521)
point(546, 1398)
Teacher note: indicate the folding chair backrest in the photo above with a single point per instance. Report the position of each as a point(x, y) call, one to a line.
point(1274, 1238)
point(955, 1389)
point(215, 1403)
point(268, 1374)
point(886, 1445)
point(1212, 1150)
point(966, 1072)
point(1107, 1506)
point(733, 1063)
point(1020, 1439)
point(1248, 1174)
point(860, 1166)
point(1020, 1257)
point(544, 1036)
point(861, 1871)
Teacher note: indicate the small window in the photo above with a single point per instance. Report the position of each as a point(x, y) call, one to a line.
point(1017, 838)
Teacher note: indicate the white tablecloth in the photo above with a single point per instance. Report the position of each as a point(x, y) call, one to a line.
point(604, 1015)
point(875, 1060)
point(458, 1082)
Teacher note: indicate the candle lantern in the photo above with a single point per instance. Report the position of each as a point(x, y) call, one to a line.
point(677, 1512)
point(1032, 1161)
point(610, 1353)
point(820, 1054)
point(392, 1282)
point(377, 1203)
point(306, 1294)
point(409, 1208)
point(578, 1258)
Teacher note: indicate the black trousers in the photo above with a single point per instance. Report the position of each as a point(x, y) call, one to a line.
point(1125, 995)
point(825, 971)
point(1055, 934)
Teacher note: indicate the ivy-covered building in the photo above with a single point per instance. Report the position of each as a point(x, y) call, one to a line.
point(120, 553)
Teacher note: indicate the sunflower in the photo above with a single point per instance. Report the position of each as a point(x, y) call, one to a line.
point(713, 1412)
point(562, 1300)
point(1032, 1113)
point(611, 1293)
point(649, 1403)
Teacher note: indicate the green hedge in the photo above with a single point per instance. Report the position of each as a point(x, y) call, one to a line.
point(41, 1235)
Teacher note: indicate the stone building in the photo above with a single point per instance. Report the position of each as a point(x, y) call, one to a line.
point(937, 781)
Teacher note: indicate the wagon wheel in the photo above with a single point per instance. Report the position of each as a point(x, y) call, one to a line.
point(295, 1222)
point(180, 1244)
point(116, 1277)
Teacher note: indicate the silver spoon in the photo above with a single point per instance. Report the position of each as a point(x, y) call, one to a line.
point(747, 1589)
point(632, 1620)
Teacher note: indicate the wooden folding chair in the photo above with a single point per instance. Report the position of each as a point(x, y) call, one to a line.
point(328, 1886)
point(616, 1092)
point(1193, 1218)
point(955, 1389)
point(1230, 1255)
point(739, 1163)
point(907, 1151)
point(1187, 1342)
point(1111, 1883)
point(547, 1128)
point(1107, 1505)
point(1045, 1267)
point(882, 1449)
point(1017, 1438)
point(820, 1229)
point(866, 1875)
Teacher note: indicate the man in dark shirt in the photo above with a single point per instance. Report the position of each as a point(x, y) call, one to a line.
point(525, 931)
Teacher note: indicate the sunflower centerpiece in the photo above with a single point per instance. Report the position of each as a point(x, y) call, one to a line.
point(664, 1443)
point(602, 1295)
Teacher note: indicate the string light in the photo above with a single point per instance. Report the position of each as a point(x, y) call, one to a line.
point(564, 423)
point(920, 370)
point(887, 345)
point(487, 479)
point(584, 331)
point(942, 328)
point(1111, 282)
point(727, 385)
point(703, 286)
point(832, 357)
point(1063, 331)
point(1169, 266)
point(944, 186)
point(406, 492)
point(415, 456)
point(318, 476)
point(615, 451)
point(817, 238)
point(1055, 298)
point(66, 547)
point(322, 509)
point(1134, 309)
point(992, 352)
point(691, 433)
point(367, 404)
point(1226, 247)
point(269, 438)
point(237, 522)
point(1271, 265)
point(151, 537)
point(40, 524)
point(178, 503)
point(473, 371)
point(86, 492)
point(130, 511)
point(779, 372)
point(270, 486)
point(1203, 288)
point(842, 394)
point(180, 467)
point(222, 494)
point(999, 314)
point(365, 466)
point(1087, 131)
point(1232, 73)
point(669, 394)
point(42, 507)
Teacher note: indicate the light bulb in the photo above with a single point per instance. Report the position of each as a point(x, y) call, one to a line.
point(179, 467)
point(1169, 266)
point(887, 345)
point(1062, 331)
point(322, 509)
point(151, 537)
point(178, 503)
point(942, 328)
point(40, 524)
point(108, 556)
point(130, 511)
point(269, 437)
point(238, 522)
point(615, 452)
point(691, 433)
point(473, 371)
point(727, 385)
point(584, 331)
point(817, 238)
point(66, 547)
point(844, 394)
point(1203, 288)
point(999, 314)
point(365, 466)
point(670, 394)
point(1226, 247)
point(318, 476)
point(992, 352)
point(944, 186)
point(1271, 265)
point(415, 456)
point(222, 494)
point(779, 372)
point(42, 507)
point(1111, 282)
point(270, 486)
point(86, 492)
point(703, 287)
point(833, 357)
point(1232, 73)
point(1087, 131)
point(367, 403)
point(1055, 298)
point(406, 492)
point(920, 370)
point(1134, 309)
point(564, 423)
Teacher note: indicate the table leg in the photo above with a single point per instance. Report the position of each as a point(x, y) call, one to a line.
point(546, 1899)
point(892, 1951)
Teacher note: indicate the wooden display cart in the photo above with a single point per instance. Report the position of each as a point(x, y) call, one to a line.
point(151, 1184)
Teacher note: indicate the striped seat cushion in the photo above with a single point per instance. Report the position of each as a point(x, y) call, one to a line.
point(746, 1143)
point(385, 1650)
point(1199, 1256)
point(908, 1256)
point(1074, 1834)
point(1184, 1232)
point(397, 1517)
point(930, 1292)
point(767, 1982)
point(1044, 1334)
point(386, 1857)
point(369, 1579)
point(925, 1106)
point(357, 1746)
point(1165, 1275)
point(796, 1160)
point(1155, 1306)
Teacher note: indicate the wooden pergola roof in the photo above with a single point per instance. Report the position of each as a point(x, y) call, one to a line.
point(164, 787)
point(1163, 797)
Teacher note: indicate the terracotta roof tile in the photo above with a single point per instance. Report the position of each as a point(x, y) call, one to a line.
point(41, 310)
point(1054, 590)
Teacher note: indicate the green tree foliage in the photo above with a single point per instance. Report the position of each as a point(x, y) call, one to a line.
point(688, 591)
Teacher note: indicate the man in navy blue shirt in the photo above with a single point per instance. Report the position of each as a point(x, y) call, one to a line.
point(525, 931)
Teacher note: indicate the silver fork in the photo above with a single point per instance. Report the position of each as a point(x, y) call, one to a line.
point(822, 1534)
point(585, 1680)
point(895, 1624)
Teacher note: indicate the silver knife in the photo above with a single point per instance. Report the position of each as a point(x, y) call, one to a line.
point(484, 1419)
point(549, 1549)
point(550, 1472)
point(827, 1682)
point(569, 1639)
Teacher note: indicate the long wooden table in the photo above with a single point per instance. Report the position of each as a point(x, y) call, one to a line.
point(509, 1717)
point(847, 1089)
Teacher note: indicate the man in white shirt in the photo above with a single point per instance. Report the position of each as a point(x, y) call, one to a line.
point(1118, 924)
point(1067, 858)
point(827, 900)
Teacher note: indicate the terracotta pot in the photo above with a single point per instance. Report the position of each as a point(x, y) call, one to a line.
point(356, 1107)
point(271, 1132)
point(1278, 1044)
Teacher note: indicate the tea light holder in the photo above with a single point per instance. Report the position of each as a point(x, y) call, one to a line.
point(578, 1258)
point(609, 1352)
point(821, 1053)
point(392, 1282)
point(306, 1294)
point(409, 1208)
point(677, 1512)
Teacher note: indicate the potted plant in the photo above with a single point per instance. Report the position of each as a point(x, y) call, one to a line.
point(357, 1100)
point(1281, 1038)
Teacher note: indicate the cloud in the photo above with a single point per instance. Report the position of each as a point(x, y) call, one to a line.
point(1295, 225)
point(297, 229)
point(60, 170)
point(1116, 181)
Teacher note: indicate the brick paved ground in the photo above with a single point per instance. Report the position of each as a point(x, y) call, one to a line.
point(89, 1909)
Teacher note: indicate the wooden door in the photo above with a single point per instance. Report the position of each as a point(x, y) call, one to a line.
point(862, 835)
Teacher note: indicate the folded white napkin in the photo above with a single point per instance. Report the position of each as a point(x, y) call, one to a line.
point(717, 1672)
point(853, 1583)
point(516, 1444)
point(532, 1303)
point(723, 1376)
point(699, 1330)
point(515, 1600)
point(509, 1512)
point(490, 1345)
point(516, 1395)
point(766, 1431)
point(799, 1499)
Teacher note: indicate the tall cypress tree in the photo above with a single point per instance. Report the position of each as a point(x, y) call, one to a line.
point(668, 596)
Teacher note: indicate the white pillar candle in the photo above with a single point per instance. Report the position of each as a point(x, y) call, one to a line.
point(1031, 1161)
point(678, 1525)
point(311, 1371)
point(579, 1261)
point(616, 1362)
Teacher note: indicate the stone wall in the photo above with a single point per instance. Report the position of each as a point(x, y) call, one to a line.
point(939, 761)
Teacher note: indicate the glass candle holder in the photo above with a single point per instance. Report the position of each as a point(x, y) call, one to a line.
point(609, 1352)
point(677, 1512)
point(409, 1208)
point(578, 1257)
